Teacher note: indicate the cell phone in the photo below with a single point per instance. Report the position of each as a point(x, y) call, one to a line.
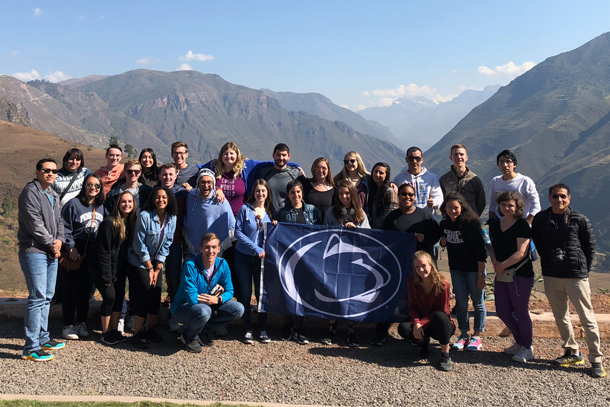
point(217, 290)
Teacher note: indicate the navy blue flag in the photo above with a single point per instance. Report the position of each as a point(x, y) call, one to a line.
point(337, 273)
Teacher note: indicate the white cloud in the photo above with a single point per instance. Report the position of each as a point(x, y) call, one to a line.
point(144, 61)
point(196, 57)
point(361, 107)
point(344, 106)
point(185, 67)
point(27, 76)
point(385, 97)
point(509, 70)
point(38, 13)
point(56, 76)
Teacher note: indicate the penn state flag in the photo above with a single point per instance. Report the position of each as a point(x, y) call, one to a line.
point(333, 272)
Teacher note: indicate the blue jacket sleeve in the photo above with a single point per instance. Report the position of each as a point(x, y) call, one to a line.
point(225, 282)
point(139, 236)
point(189, 282)
point(168, 239)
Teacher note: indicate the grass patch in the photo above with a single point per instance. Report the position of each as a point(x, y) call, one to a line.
point(36, 403)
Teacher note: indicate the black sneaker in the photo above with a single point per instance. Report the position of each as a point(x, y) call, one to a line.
point(445, 364)
point(287, 332)
point(352, 340)
point(192, 346)
point(53, 345)
point(113, 337)
point(379, 339)
point(204, 339)
point(597, 370)
point(570, 358)
point(329, 338)
point(297, 335)
point(153, 336)
point(139, 340)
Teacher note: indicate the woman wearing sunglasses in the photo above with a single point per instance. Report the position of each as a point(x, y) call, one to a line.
point(132, 183)
point(354, 171)
point(249, 231)
point(82, 216)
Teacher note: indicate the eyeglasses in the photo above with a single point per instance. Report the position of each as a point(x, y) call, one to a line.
point(351, 161)
point(48, 170)
point(91, 185)
point(133, 172)
point(416, 159)
point(557, 196)
point(409, 194)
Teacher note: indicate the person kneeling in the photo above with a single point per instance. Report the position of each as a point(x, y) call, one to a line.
point(429, 296)
point(203, 301)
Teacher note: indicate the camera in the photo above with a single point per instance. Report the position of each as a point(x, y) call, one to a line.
point(558, 255)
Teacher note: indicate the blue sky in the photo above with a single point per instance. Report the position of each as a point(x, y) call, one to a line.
point(357, 53)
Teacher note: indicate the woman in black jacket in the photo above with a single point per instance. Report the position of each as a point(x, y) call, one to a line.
point(113, 239)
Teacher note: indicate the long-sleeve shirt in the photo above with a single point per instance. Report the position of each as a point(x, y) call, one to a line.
point(522, 184)
point(422, 307)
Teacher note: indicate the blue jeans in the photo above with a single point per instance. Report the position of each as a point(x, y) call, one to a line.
point(201, 317)
point(173, 269)
point(40, 274)
point(465, 284)
point(248, 268)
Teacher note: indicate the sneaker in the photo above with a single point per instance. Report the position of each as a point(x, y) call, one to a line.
point(475, 343)
point(139, 340)
point(204, 339)
point(287, 332)
point(121, 326)
point(53, 345)
point(37, 356)
point(222, 332)
point(82, 330)
point(113, 337)
point(570, 358)
point(352, 340)
point(71, 333)
point(297, 335)
point(461, 342)
point(153, 336)
point(248, 338)
point(523, 355)
point(512, 349)
point(263, 337)
point(597, 370)
point(379, 339)
point(329, 338)
point(174, 326)
point(192, 346)
point(445, 364)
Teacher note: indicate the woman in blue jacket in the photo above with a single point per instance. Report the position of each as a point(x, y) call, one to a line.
point(153, 235)
point(250, 234)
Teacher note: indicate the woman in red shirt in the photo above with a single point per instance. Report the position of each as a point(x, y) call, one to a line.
point(429, 309)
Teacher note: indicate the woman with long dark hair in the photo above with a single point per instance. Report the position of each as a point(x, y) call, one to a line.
point(510, 255)
point(319, 190)
point(82, 216)
point(153, 235)
point(382, 198)
point(463, 237)
point(150, 169)
point(250, 251)
point(110, 258)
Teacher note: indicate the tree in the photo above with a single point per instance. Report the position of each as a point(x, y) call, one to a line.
point(130, 151)
point(114, 140)
point(8, 205)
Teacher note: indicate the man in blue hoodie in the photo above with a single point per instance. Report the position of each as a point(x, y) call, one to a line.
point(203, 302)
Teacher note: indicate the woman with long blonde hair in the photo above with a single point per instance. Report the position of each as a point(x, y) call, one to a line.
point(355, 171)
point(429, 311)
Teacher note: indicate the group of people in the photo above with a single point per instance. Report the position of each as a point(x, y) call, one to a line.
point(205, 225)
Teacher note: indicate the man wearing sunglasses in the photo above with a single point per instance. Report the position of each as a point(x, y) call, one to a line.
point(566, 245)
point(428, 193)
point(133, 170)
point(40, 235)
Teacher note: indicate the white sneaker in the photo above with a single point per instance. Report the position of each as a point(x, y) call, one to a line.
point(174, 326)
point(81, 330)
point(248, 338)
point(121, 326)
point(70, 332)
point(513, 349)
point(524, 355)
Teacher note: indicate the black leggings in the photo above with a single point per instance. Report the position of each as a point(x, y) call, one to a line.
point(143, 298)
point(108, 296)
point(440, 328)
point(77, 290)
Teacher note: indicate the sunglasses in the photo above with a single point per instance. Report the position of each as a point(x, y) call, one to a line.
point(133, 172)
point(409, 194)
point(48, 170)
point(93, 186)
point(557, 196)
point(351, 161)
point(417, 159)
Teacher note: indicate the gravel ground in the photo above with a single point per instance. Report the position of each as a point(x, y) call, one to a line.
point(282, 372)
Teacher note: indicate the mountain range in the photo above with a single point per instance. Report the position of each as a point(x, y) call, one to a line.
point(421, 121)
point(556, 118)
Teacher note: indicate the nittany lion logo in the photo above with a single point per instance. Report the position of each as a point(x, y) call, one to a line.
point(345, 280)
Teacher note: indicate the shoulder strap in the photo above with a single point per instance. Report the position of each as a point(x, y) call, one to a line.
point(69, 185)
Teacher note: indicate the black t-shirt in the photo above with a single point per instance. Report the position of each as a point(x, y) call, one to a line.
point(419, 221)
point(322, 200)
point(505, 244)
